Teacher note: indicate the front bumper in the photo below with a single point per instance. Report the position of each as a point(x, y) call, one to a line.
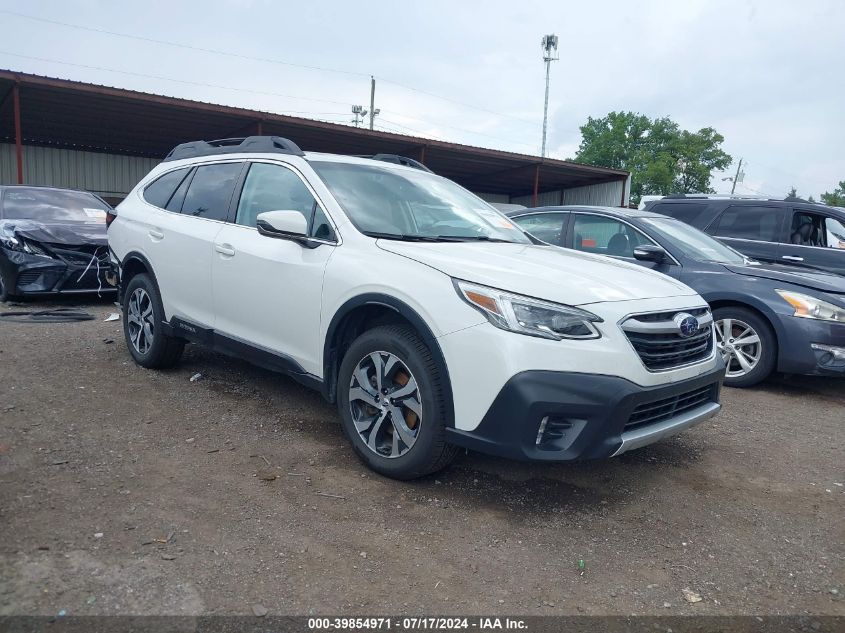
point(796, 353)
point(26, 274)
point(561, 416)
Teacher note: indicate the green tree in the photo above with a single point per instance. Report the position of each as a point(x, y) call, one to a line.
point(661, 157)
point(793, 192)
point(835, 198)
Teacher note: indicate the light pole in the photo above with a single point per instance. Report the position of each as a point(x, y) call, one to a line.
point(549, 55)
point(359, 113)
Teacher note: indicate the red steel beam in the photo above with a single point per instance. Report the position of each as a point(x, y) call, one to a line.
point(536, 184)
point(16, 105)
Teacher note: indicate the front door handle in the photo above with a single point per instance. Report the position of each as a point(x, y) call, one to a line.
point(156, 234)
point(792, 258)
point(225, 249)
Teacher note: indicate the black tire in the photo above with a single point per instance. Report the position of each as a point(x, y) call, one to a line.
point(4, 293)
point(430, 451)
point(768, 345)
point(164, 351)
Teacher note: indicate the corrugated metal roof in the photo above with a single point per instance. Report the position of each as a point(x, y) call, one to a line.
point(76, 115)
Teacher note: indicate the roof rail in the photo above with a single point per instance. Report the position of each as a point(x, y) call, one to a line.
point(398, 160)
point(257, 144)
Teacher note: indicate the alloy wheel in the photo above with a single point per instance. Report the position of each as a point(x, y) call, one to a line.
point(385, 404)
point(140, 321)
point(739, 345)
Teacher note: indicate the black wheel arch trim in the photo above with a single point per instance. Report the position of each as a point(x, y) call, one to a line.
point(140, 257)
point(331, 366)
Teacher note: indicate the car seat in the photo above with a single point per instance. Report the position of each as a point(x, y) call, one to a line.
point(803, 234)
point(619, 244)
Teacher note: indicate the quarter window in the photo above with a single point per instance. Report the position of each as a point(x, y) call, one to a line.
point(211, 190)
point(275, 188)
point(748, 223)
point(160, 190)
point(606, 236)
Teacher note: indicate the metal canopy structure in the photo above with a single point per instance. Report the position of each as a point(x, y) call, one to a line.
point(43, 111)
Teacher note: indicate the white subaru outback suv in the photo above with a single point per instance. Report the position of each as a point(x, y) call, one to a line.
point(430, 318)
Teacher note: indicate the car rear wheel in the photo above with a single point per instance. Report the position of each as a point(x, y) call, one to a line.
point(143, 316)
point(392, 404)
point(747, 344)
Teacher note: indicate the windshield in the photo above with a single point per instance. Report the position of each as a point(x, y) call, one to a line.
point(412, 204)
point(45, 205)
point(693, 243)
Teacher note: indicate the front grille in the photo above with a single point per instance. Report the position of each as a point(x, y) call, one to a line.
point(659, 343)
point(82, 255)
point(667, 408)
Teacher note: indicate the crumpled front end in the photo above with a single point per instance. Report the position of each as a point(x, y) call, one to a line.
point(29, 266)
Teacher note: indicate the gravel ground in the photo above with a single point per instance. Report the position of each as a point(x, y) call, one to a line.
point(128, 491)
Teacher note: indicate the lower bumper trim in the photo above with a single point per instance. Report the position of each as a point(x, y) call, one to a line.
point(652, 433)
point(585, 415)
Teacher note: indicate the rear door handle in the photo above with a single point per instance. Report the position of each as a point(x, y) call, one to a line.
point(156, 234)
point(225, 249)
point(792, 258)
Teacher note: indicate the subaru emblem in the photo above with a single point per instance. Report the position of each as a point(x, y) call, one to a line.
point(687, 324)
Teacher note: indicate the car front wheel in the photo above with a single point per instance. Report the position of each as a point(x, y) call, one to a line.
point(392, 404)
point(747, 344)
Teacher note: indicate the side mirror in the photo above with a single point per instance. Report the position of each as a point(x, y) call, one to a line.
point(286, 225)
point(649, 253)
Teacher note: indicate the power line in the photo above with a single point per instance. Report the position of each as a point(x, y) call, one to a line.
point(269, 60)
point(201, 49)
point(460, 129)
point(181, 81)
point(456, 102)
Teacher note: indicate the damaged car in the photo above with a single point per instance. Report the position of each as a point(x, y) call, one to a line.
point(52, 241)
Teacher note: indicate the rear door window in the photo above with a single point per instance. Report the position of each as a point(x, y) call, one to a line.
point(747, 222)
point(210, 191)
point(160, 190)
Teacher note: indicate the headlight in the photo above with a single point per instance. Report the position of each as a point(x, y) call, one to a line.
point(525, 315)
point(12, 243)
point(812, 308)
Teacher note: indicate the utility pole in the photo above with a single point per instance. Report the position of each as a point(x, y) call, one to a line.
point(549, 55)
point(373, 111)
point(736, 177)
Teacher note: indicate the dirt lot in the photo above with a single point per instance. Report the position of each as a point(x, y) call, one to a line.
point(124, 490)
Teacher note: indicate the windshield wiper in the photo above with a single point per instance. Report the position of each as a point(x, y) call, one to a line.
point(405, 237)
point(397, 236)
point(473, 238)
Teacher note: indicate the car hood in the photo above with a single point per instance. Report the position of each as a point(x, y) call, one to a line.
point(543, 272)
point(795, 275)
point(63, 233)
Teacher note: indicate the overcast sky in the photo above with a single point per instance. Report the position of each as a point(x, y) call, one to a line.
point(767, 74)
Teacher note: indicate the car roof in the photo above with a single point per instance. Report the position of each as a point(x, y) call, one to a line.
point(619, 212)
point(740, 202)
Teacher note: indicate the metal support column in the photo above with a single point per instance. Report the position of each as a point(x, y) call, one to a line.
point(16, 106)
